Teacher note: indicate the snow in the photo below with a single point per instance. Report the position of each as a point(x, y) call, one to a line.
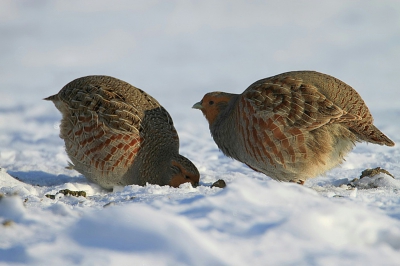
point(177, 51)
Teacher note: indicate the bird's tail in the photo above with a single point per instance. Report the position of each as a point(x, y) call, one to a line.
point(374, 135)
point(51, 98)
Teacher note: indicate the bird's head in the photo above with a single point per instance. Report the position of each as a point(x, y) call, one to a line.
point(183, 171)
point(213, 103)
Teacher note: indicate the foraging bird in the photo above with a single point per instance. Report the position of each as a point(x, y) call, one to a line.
point(117, 135)
point(291, 127)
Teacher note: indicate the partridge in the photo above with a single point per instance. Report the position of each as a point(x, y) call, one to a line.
point(116, 134)
point(291, 127)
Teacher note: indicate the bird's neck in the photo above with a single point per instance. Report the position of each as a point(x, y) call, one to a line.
point(224, 129)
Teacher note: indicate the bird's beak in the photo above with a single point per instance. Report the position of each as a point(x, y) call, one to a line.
point(197, 106)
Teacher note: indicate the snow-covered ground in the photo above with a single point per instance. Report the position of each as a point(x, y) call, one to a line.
point(177, 51)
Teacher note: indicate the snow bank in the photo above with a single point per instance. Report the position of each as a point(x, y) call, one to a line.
point(251, 221)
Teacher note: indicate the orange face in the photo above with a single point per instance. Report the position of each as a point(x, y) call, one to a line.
point(184, 176)
point(211, 104)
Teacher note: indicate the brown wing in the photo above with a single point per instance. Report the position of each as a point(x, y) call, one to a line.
point(278, 113)
point(300, 105)
point(119, 105)
point(345, 97)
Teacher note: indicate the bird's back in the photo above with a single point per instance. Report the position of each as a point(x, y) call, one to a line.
point(343, 96)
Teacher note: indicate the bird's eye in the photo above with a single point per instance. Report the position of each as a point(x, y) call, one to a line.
point(211, 102)
point(187, 177)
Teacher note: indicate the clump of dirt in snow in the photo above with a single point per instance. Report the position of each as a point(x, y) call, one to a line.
point(374, 178)
point(219, 183)
point(373, 172)
point(67, 192)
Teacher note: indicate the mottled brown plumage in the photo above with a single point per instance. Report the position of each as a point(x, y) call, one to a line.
point(292, 126)
point(116, 135)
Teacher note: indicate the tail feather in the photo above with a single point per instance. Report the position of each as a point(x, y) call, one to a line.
point(51, 98)
point(70, 166)
point(374, 135)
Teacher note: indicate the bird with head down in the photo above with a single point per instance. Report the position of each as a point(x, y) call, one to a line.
point(116, 134)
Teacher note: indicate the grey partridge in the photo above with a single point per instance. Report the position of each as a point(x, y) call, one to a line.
point(292, 126)
point(116, 134)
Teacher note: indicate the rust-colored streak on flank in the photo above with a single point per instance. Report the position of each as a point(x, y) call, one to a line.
point(102, 164)
point(82, 157)
point(100, 134)
point(86, 141)
point(286, 144)
point(101, 145)
point(129, 151)
point(263, 137)
point(123, 159)
point(84, 118)
point(83, 143)
point(131, 156)
point(270, 126)
point(108, 157)
point(113, 149)
point(115, 137)
point(134, 142)
point(118, 162)
point(78, 133)
point(89, 129)
point(267, 143)
point(92, 150)
point(133, 153)
point(278, 134)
